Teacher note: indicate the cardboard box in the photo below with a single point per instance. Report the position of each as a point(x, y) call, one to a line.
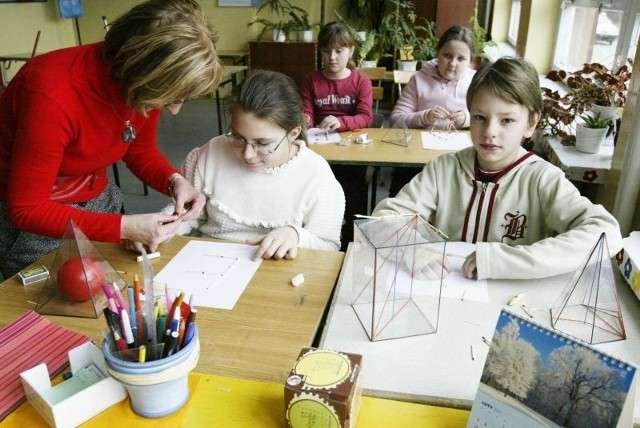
point(629, 259)
point(323, 389)
point(88, 392)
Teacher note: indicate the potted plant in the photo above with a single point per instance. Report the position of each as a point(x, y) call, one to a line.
point(279, 27)
point(368, 51)
point(402, 31)
point(480, 38)
point(592, 86)
point(592, 131)
point(426, 47)
point(300, 23)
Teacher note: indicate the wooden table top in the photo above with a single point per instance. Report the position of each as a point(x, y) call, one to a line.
point(377, 152)
point(259, 339)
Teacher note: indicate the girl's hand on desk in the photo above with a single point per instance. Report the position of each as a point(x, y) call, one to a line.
point(469, 267)
point(458, 118)
point(330, 123)
point(149, 229)
point(279, 243)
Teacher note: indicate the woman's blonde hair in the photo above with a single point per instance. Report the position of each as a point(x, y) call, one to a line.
point(163, 51)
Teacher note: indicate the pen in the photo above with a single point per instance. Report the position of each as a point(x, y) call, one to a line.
point(136, 291)
point(126, 327)
point(107, 292)
point(188, 334)
point(142, 354)
point(170, 344)
point(119, 299)
point(177, 302)
point(133, 319)
point(161, 328)
point(122, 346)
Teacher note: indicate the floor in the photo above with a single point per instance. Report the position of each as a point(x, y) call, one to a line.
point(177, 135)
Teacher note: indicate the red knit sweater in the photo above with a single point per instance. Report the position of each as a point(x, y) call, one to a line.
point(63, 116)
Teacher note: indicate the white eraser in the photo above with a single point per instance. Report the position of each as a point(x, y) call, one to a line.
point(297, 280)
point(149, 256)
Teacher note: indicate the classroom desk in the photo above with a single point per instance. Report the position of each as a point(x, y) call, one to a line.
point(229, 75)
point(227, 402)
point(236, 57)
point(259, 339)
point(377, 153)
point(437, 368)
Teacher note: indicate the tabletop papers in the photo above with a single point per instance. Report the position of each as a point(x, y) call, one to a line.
point(322, 136)
point(26, 342)
point(445, 140)
point(214, 273)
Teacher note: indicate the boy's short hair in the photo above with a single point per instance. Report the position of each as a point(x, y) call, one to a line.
point(512, 79)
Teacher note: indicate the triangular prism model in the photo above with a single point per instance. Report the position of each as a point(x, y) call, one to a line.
point(74, 286)
point(399, 134)
point(588, 307)
point(397, 276)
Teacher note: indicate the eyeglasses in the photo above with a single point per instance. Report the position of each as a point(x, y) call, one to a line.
point(176, 102)
point(259, 149)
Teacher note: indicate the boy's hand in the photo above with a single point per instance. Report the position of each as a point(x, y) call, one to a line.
point(469, 267)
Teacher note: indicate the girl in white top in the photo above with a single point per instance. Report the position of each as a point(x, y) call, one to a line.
point(263, 185)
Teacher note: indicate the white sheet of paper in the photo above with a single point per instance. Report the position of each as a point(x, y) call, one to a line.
point(321, 136)
point(444, 140)
point(215, 273)
point(454, 285)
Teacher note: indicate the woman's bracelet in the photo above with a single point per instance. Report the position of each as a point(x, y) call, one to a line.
point(172, 181)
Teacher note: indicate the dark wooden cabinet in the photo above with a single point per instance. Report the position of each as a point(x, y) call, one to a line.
point(295, 59)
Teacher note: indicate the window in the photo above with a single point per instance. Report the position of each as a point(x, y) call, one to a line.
point(597, 31)
point(514, 21)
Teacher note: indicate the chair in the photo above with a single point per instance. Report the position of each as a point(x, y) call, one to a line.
point(21, 57)
point(401, 77)
point(376, 75)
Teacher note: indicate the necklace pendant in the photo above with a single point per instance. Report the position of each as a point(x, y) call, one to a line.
point(129, 133)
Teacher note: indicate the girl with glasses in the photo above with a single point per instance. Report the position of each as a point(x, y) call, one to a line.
point(263, 185)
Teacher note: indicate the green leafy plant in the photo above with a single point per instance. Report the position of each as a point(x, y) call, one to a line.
point(596, 121)
point(402, 31)
point(592, 84)
point(300, 18)
point(480, 35)
point(281, 9)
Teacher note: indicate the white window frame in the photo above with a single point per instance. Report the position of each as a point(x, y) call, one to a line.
point(514, 21)
point(628, 34)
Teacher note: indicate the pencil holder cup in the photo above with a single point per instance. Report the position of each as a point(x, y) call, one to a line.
point(156, 388)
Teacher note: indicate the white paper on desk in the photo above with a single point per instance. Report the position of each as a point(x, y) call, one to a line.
point(445, 140)
point(214, 273)
point(454, 285)
point(321, 136)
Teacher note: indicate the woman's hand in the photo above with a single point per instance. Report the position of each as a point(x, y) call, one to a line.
point(330, 123)
point(148, 230)
point(279, 243)
point(189, 201)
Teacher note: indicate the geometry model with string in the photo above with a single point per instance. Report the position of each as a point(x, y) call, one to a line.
point(589, 308)
point(390, 256)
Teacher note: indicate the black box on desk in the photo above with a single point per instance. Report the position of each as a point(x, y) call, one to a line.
point(323, 389)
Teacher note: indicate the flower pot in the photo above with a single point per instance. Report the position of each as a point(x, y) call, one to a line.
point(279, 35)
point(407, 65)
point(589, 140)
point(305, 36)
point(366, 63)
point(362, 35)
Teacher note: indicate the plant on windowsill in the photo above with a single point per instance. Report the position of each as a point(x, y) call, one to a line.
point(480, 38)
point(402, 31)
point(281, 26)
point(593, 85)
point(592, 131)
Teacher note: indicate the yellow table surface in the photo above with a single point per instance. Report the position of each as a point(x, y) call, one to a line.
point(228, 402)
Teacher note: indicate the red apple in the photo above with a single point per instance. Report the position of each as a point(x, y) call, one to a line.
point(75, 280)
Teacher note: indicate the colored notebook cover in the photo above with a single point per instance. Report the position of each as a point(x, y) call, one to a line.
point(535, 376)
point(26, 342)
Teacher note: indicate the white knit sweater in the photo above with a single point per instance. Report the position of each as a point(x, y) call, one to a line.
point(244, 204)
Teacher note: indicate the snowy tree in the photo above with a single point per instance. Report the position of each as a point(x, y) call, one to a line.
point(577, 389)
point(512, 362)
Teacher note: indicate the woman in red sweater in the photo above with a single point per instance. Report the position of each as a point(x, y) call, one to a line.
point(69, 114)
